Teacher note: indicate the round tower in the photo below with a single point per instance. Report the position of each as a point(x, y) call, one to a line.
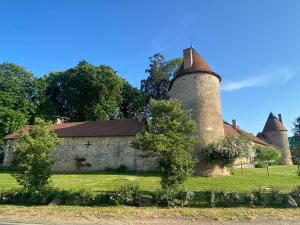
point(276, 134)
point(198, 88)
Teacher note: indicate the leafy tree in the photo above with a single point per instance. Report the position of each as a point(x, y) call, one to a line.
point(132, 102)
point(86, 92)
point(267, 156)
point(17, 89)
point(32, 151)
point(296, 128)
point(227, 150)
point(168, 137)
point(157, 84)
point(10, 121)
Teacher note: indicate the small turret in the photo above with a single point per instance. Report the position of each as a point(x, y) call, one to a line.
point(276, 134)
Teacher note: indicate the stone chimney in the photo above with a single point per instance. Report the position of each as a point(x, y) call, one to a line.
point(187, 58)
point(59, 121)
point(234, 125)
point(280, 118)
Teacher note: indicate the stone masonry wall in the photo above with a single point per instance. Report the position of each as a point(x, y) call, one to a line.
point(98, 153)
point(200, 92)
point(280, 140)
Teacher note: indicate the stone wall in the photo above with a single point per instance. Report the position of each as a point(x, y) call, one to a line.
point(97, 154)
point(280, 140)
point(200, 92)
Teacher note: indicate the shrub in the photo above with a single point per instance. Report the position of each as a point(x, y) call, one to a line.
point(230, 199)
point(226, 150)
point(33, 151)
point(266, 156)
point(165, 197)
point(129, 194)
point(168, 137)
point(121, 169)
point(296, 195)
point(185, 197)
point(210, 197)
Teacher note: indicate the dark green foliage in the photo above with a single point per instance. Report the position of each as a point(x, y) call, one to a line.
point(129, 194)
point(133, 101)
point(168, 137)
point(121, 169)
point(10, 121)
point(86, 92)
point(17, 89)
point(231, 199)
point(157, 84)
point(32, 152)
point(225, 151)
point(296, 129)
point(210, 197)
point(165, 197)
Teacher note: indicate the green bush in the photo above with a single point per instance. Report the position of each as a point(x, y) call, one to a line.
point(165, 197)
point(266, 156)
point(210, 197)
point(121, 169)
point(33, 155)
point(226, 150)
point(129, 194)
point(185, 197)
point(231, 199)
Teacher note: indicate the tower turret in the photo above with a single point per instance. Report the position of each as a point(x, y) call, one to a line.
point(276, 134)
point(198, 88)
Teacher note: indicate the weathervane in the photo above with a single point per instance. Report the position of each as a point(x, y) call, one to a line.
point(191, 41)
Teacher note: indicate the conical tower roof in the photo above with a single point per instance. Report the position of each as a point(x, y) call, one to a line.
point(195, 64)
point(273, 124)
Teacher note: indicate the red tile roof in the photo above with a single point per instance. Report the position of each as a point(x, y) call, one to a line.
point(128, 127)
point(110, 128)
point(273, 124)
point(230, 130)
point(199, 65)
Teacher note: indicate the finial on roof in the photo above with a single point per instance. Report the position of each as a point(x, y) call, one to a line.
point(191, 42)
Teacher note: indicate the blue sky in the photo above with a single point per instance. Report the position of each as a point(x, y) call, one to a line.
point(254, 45)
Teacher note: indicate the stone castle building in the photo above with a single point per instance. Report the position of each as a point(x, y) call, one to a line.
point(104, 145)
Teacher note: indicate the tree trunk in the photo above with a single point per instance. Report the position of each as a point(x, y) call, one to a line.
point(242, 168)
point(268, 171)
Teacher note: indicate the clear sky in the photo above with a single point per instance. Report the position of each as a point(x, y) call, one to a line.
point(254, 45)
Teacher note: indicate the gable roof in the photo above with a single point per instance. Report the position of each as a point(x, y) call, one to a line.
point(273, 124)
point(112, 128)
point(108, 128)
point(229, 130)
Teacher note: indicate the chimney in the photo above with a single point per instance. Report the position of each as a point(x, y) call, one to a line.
point(59, 121)
point(187, 58)
point(280, 118)
point(234, 125)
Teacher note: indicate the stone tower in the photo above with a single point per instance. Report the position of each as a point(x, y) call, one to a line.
point(276, 134)
point(198, 88)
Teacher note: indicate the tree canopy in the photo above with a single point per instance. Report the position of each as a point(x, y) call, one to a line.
point(156, 86)
point(296, 128)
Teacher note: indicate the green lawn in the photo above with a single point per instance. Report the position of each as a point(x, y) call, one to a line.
point(282, 177)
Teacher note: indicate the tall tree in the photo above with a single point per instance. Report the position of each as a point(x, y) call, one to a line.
point(296, 128)
point(160, 72)
point(17, 89)
point(133, 101)
point(86, 92)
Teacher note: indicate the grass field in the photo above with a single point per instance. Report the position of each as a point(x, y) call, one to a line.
point(282, 177)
